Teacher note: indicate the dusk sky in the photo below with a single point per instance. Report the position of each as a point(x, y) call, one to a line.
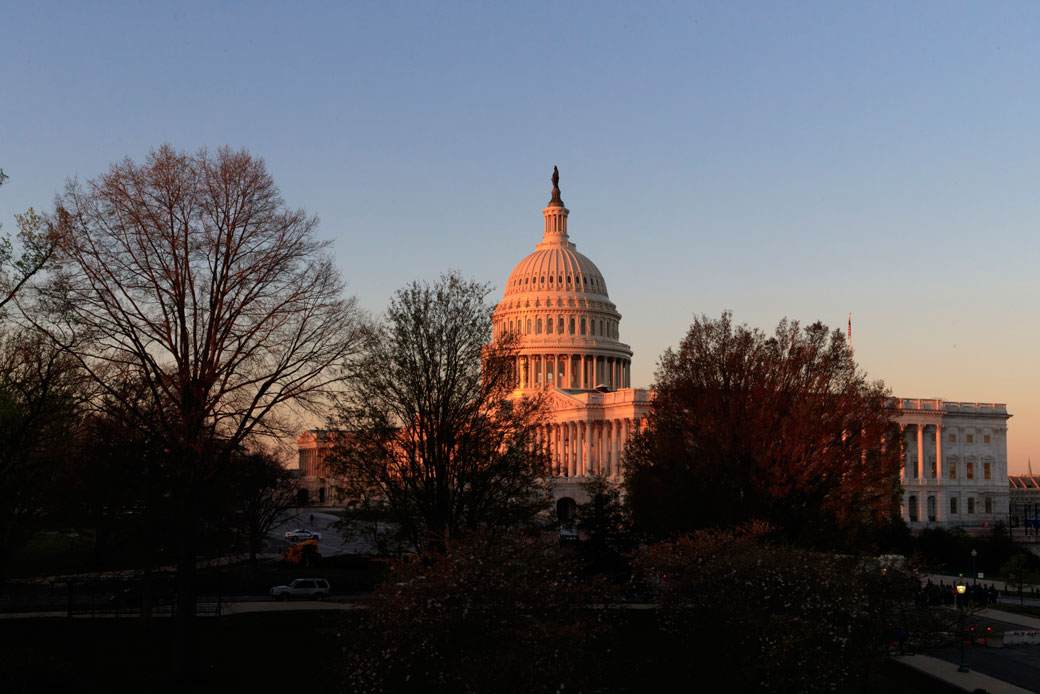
point(778, 159)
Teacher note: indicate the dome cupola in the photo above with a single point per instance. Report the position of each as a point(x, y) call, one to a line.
point(556, 300)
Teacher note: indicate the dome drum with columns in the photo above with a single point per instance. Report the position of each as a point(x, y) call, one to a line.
point(556, 303)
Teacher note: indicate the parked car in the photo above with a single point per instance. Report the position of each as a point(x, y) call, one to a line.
point(301, 534)
point(313, 588)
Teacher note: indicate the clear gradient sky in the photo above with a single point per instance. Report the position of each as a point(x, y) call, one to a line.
point(801, 159)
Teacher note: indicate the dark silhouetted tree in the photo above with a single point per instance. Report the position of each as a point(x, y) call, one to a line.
point(783, 428)
point(433, 433)
point(188, 275)
point(41, 396)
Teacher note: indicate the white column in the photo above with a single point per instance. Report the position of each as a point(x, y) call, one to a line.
point(940, 467)
point(586, 448)
point(920, 453)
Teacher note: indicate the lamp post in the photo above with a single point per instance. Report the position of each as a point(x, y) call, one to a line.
point(960, 600)
point(974, 573)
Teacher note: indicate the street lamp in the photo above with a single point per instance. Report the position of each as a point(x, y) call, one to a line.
point(974, 573)
point(960, 600)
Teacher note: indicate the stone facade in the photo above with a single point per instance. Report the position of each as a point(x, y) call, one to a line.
point(954, 462)
point(556, 301)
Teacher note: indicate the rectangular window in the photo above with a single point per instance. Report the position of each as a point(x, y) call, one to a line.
point(953, 438)
point(969, 470)
point(953, 504)
point(969, 438)
point(931, 437)
point(971, 504)
point(985, 470)
point(989, 505)
point(953, 469)
point(933, 470)
point(985, 438)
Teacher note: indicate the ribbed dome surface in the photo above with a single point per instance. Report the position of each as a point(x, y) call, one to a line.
point(556, 267)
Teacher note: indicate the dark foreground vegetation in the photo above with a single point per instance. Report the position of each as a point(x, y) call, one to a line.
point(304, 651)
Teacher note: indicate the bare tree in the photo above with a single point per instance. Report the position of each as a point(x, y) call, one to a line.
point(188, 274)
point(264, 494)
point(433, 433)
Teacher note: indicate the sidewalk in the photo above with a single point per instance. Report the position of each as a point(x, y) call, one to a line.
point(1009, 617)
point(968, 681)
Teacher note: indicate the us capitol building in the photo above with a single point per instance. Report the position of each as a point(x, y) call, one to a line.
point(556, 301)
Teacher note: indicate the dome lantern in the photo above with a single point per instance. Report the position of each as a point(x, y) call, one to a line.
point(555, 214)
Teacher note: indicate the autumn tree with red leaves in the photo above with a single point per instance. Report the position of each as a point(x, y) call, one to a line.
point(781, 428)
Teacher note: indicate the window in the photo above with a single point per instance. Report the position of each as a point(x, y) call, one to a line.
point(931, 508)
point(989, 504)
point(934, 471)
point(582, 326)
point(953, 504)
point(549, 323)
point(985, 438)
point(986, 474)
point(913, 509)
point(969, 438)
point(528, 326)
point(932, 435)
point(572, 326)
point(559, 326)
point(538, 326)
point(971, 504)
point(953, 469)
point(969, 470)
point(953, 438)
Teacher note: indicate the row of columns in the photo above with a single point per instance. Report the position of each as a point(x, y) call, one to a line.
point(577, 371)
point(919, 467)
point(577, 449)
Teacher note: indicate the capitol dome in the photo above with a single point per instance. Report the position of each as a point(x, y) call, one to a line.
point(556, 301)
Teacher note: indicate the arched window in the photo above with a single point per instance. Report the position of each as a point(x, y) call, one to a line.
point(572, 326)
point(582, 326)
point(912, 508)
point(931, 508)
point(538, 326)
point(549, 324)
point(559, 326)
point(528, 326)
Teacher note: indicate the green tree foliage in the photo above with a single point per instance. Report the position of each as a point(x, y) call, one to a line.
point(781, 428)
point(30, 253)
point(758, 616)
point(490, 614)
point(431, 431)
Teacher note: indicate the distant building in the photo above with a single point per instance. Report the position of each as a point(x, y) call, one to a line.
point(954, 462)
point(1024, 500)
point(317, 483)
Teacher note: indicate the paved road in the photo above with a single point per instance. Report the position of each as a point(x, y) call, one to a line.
point(1017, 665)
point(331, 542)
